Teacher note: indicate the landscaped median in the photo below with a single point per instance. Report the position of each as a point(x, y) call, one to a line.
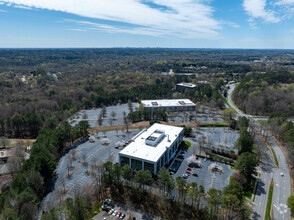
point(269, 201)
point(275, 156)
point(271, 149)
point(214, 124)
point(226, 101)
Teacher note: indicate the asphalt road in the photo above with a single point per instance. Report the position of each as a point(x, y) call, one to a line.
point(265, 170)
point(282, 188)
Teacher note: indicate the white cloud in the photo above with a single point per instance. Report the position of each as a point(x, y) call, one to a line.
point(285, 2)
point(185, 18)
point(256, 9)
point(287, 6)
point(22, 7)
point(230, 24)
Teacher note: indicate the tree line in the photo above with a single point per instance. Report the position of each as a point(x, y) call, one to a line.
point(262, 94)
point(28, 186)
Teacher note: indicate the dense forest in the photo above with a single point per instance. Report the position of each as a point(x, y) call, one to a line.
point(40, 88)
point(265, 93)
point(30, 181)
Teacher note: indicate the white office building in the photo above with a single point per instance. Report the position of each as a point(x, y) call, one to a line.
point(152, 148)
point(181, 87)
point(169, 104)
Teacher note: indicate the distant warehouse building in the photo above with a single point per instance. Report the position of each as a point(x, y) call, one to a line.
point(152, 148)
point(181, 87)
point(169, 104)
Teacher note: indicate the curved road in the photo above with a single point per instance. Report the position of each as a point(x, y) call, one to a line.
point(282, 188)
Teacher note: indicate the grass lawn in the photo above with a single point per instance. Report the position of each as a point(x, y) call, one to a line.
point(188, 143)
point(214, 124)
point(95, 210)
point(226, 101)
point(231, 179)
point(269, 202)
point(262, 122)
point(23, 142)
point(275, 157)
point(233, 167)
point(249, 189)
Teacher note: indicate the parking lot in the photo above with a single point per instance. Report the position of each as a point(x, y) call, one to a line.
point(128, 211)
point(221, 138)
point(96, 152)
point(173, 117)
point(93, 114)
point(206, 176)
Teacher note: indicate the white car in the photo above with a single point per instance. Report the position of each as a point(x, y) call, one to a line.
point(282, 174)
point(115, 212)
point(205, 159)
point(111, 211)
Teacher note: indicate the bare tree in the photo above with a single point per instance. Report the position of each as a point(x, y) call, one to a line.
point(68, 166)
point(74, 154)
point(4, 141)
point(110, 121)
point(14, 162)
point(62, 182)
point(113, 114)
point(99, 120)
point(130, 105)
point(85, 116)
point(84, 157)
point(126, 121)
point(103, 111)
point(94, 163)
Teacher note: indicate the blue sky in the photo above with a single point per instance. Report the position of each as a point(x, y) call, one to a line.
point(147, 23)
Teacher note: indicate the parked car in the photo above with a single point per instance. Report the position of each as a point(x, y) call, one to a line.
point(205, 159)
point(187, 171)
point(109, 202)
point(188, 168)
point(194, 174)
point(282, 174)
point(185, 176)
point(181, 156)
point(115, 213)
point(122, 216)
point(172, 196)
point(191, 165)
point(111, 211)
point(118, 214)
point(104, 206)
point(175, 166)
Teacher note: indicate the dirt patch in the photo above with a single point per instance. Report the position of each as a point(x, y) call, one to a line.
point(138, 125)
point(23, 142)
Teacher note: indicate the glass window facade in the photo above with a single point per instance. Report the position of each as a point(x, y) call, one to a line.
point(149, 166)
point(158, 166)
point(124, 161)
point(136, 164)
